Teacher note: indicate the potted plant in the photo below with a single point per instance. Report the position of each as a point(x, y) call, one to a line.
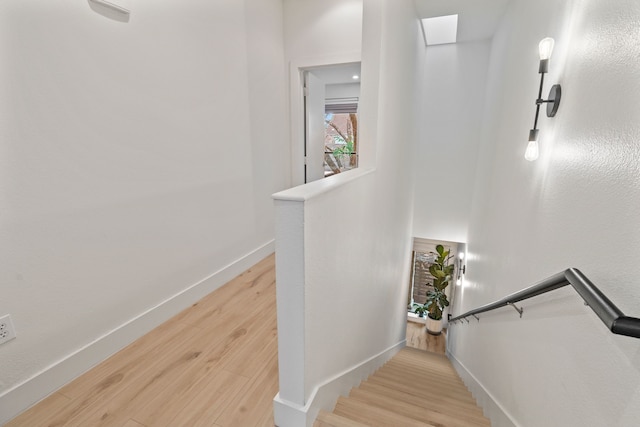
point(419, 309)
point(437, 300)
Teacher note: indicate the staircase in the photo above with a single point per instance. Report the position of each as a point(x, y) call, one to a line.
point(415, 388)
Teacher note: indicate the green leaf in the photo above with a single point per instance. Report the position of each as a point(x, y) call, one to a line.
point(432, 269)
point(440, 249)
point(439, 273)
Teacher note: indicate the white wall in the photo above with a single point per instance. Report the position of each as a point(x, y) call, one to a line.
point(267, 108)
point(137, 160)
point(342, 292)
point(322, 28)
point(445, 160)
point(577, 206)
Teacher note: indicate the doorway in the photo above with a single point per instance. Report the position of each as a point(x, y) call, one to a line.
point(423, 256)
point(341, 138)
point(331, 97)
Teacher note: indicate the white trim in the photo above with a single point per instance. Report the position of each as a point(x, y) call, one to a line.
point(290, 298)
point(325, 395)
point(492, 409)
point(305, 192)
point(31, 391)
point(296, 105)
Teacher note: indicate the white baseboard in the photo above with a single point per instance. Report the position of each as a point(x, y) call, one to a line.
point(493, 410)
point(28, 393)
point(324, 396)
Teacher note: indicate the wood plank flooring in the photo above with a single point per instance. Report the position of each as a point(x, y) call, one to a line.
point(215, 364)
point(417, 337)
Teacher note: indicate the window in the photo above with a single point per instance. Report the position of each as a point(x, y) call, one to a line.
point(341, 138)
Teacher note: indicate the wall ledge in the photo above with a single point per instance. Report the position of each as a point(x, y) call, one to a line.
point(313, 189)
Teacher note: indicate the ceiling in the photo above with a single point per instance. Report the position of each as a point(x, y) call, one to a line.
point(477, 19)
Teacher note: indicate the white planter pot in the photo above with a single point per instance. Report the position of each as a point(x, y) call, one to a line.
point(434, 327)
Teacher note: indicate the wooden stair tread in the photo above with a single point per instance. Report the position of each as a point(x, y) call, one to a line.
point(469, 414)
point(432, 395)
point(423, 365)
point(439, 405)
point(329, 419)
point(414, 353)
point(431, 403)
point(424, 380)
point(460, 397)
point(437, 419)
point(374, 416)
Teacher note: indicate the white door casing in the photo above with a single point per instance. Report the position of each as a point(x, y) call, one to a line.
point(314, 127)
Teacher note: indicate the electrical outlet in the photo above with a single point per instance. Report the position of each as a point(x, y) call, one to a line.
point(7, 331)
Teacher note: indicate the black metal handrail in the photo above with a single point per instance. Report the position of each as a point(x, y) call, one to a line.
point(607, 311)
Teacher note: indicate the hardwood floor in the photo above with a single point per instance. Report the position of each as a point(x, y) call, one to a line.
point(417, 337)
point(214, 364)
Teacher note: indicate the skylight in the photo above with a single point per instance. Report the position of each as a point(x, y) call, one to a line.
point(440, 29)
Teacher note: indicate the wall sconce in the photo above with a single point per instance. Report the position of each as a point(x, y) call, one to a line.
point(461, 268)
point(545, 48)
